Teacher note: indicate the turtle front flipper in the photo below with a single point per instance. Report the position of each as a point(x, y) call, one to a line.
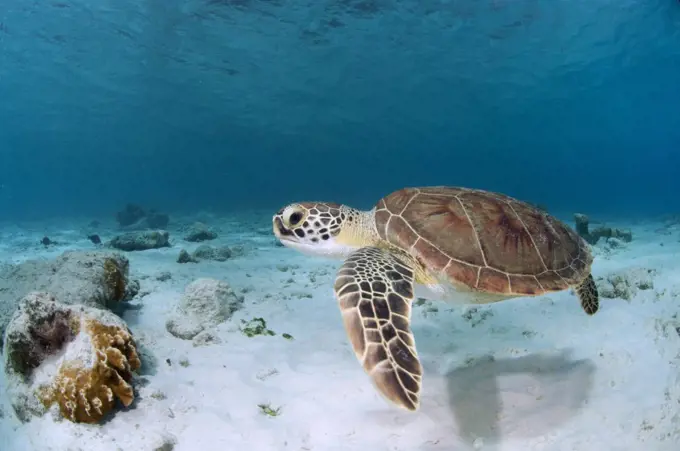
point(587, 294)
point(375, 289)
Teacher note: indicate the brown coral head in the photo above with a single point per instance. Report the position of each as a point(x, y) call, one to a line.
point(87, 394)
point(115, 347)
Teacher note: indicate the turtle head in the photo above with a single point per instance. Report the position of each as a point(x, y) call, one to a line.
point(317, 228)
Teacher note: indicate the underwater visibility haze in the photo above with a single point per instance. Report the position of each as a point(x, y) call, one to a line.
point(162, 162)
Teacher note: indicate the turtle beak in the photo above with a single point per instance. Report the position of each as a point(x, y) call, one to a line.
point(280, 231)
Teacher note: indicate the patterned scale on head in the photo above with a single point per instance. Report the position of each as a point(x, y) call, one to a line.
point(314, 228)
point(311, 221)
point(458, 243)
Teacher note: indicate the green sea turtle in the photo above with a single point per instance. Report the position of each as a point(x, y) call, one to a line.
point(455, 244)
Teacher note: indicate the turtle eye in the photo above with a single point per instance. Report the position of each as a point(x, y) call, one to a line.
point(295, 218)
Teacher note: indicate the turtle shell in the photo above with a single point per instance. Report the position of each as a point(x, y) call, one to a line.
point(486, 241)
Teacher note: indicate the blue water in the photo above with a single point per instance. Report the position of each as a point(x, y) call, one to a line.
point(233, 104)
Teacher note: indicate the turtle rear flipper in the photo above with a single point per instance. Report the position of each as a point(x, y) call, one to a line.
point(374, 289)
point(587, 294)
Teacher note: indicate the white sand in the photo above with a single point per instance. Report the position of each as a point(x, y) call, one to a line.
point(527, 374)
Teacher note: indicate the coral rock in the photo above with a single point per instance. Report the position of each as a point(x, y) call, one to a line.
point(91, 278)
point(141, 241)
point(205, 303)
point(626, 283)
point(80, 358)
point(86, 393)
point(206, 252)
point(200, 232)
point(582, 225)
point(185, 257)
point(206, 338)
point(592, 236)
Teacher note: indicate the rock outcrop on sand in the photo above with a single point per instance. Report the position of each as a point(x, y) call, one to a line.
point(205, 304)
point(141, 241)
point(79, 358)
point(90, 278)
point(63, 345)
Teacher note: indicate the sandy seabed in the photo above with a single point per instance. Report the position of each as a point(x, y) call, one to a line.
point(521, 375)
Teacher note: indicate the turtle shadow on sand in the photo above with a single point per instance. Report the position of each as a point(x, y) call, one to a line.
point(527, 396)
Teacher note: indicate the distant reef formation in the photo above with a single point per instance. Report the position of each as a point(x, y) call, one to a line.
point(134, 216)
point(594, 235)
